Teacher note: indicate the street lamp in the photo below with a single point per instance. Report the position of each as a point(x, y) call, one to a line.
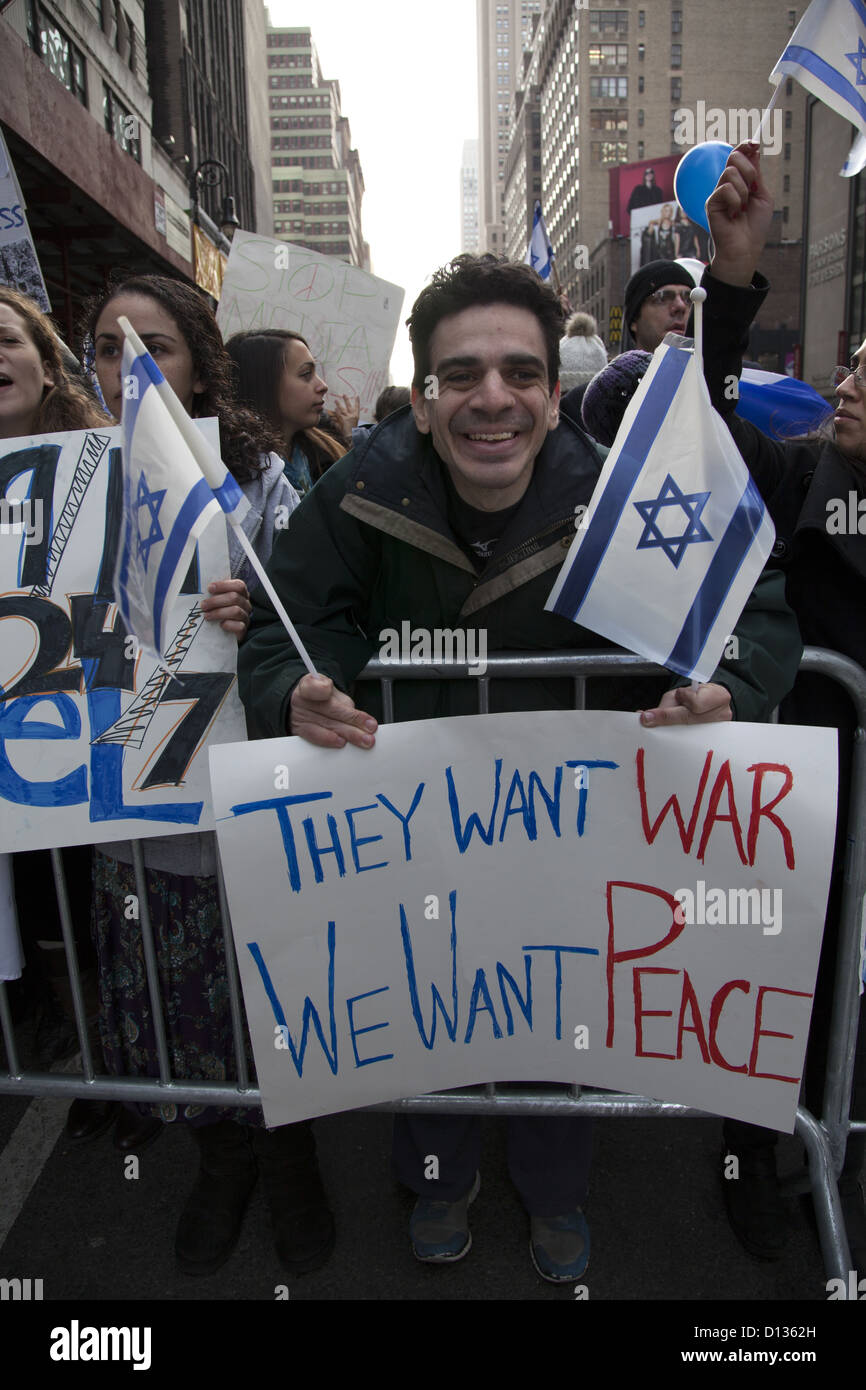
point(211, 173)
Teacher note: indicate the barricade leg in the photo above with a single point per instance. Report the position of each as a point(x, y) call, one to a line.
point(825, 1195)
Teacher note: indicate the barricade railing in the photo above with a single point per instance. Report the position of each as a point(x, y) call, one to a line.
point(824, 1137)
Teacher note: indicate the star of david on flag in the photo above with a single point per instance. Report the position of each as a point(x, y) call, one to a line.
point(675, 535)
point(539, 252)
point(167, 504)
point(827, 56)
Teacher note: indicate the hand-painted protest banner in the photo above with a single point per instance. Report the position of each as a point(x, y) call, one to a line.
point(530, 897)
point(19, 264)
point(96, 742)
point(348, 317)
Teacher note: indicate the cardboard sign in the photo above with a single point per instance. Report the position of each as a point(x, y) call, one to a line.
point(96, 742)
point(530, 897)
point(348, 317)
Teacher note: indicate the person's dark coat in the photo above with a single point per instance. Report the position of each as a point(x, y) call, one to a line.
point(371, 547)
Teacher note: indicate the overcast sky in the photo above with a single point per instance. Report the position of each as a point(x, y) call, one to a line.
point(408, 83)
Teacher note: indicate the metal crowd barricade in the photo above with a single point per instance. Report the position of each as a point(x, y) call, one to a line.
point(824, 1137)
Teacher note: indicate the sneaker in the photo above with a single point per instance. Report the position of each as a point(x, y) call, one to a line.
point(559, 1246)
point(754, 1204)
point(439, 1231)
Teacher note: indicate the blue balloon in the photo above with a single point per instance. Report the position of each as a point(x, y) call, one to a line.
point(696, 177)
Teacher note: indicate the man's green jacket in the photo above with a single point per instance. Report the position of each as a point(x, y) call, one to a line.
point(370, 548)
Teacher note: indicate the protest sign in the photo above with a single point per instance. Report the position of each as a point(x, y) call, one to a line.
point(348, 317)
point(96, 742)
point(19, 264)
point(530, 897)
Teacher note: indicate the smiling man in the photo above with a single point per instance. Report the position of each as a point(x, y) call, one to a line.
point(457, 512)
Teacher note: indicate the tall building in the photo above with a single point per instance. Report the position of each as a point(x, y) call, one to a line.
point(204, 89)
point(317, 182)
point(469, 238)
point(107, 107)
point(504, 30)
point(612, 85)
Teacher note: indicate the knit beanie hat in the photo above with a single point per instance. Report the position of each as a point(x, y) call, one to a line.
point(608, 394)
point(647, 280)
point(581, 352)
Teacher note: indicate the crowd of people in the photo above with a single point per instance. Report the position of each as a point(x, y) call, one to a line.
point(452, 507)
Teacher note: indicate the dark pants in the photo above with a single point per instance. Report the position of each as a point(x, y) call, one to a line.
point(548, 1159)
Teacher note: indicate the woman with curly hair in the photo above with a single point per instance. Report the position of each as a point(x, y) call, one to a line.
point(181, 333)
point(277, 377)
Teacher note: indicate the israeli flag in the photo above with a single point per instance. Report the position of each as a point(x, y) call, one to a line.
point(167, 504)
point(539, 252)
point(782, 406)
point(827, 56)
point(675, 535)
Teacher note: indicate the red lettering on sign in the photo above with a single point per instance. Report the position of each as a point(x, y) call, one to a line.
point(722, 783)
point(760, 769)
point(672, 804)
point(715, 1014)
point(615, 958)
point(768, 1033)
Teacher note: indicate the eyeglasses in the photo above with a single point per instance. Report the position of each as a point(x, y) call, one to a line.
point(841, 374)
point(668, 297)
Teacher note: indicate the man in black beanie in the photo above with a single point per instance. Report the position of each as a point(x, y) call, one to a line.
point(656, 303)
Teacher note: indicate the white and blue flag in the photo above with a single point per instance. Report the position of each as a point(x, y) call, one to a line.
point(782, 406)
point(676, 533)
point(167, 504)
point(539, 252)
point(827, 56)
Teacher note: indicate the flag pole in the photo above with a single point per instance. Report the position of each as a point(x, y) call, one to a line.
point(697, 296)
point(764, 128)
point(213, 469)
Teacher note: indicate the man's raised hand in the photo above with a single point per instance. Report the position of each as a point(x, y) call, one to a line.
point(740, 211)
point(326, 717)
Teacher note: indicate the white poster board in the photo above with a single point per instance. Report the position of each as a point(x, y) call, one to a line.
point(95, 742)
point(493, 898)
point(348, 317)
point(19, 264)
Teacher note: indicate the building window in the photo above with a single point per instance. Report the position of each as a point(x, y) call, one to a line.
point(608, 22)
point(792, 19)
point(785, 212)
point(640, 83)
point(789, 87)
point(789, 119)
point(640, 116)
point(61, 57)
point(640, 149)
point(787, 151)
point(676, 89)
point(608, 55)
point(676, 21)
point(608, 87)
point(786, 184)
point(608, 151)
point(676, 55)
point(121, 123)
point(641, 19)
point(641, 52)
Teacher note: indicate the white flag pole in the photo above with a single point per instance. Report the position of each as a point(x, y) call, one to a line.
point(763, 130)
point(697, 296)
point(212, 467)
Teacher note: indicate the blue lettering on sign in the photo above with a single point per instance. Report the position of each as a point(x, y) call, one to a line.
point(310, 1012)
point(70, 790)
point(106, 770)
point(373, 1028)
point(11, 217)
point(450, 1023)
